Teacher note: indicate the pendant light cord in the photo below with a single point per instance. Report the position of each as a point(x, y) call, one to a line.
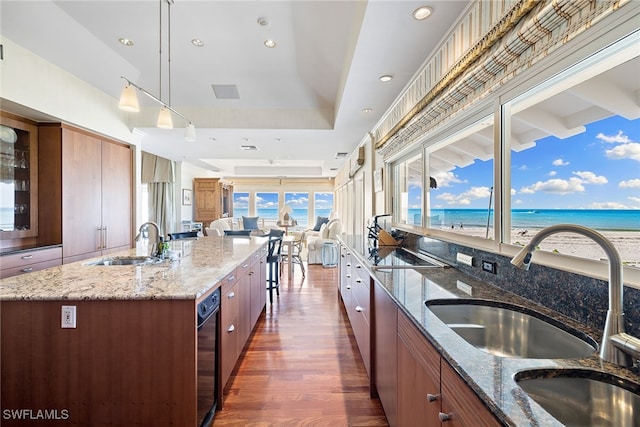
point(169, 46)
point(160, 46)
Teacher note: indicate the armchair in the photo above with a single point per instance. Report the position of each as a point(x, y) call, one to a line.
point(218, 227)
point(328, 233)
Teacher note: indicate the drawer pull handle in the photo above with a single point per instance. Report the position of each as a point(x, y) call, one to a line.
point(245, 265)
point(348, 287)
point(359, 309)
point(231, 278)
point(358, 266)
point(27, 257)
point(27, 270)
point(432, 397)
point(231, 328)
point(231, 295)
point(359, 280)
point(445, 417)
point(348, 264)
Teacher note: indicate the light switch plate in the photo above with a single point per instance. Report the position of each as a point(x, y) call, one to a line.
point(68, 316)
point(464, 259)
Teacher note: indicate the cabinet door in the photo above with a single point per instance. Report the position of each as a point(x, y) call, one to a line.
point(206, 198)
point(460, 404)
point(385, 358)
point(244, 294)
point(229, 342)
point(81, 195)
point(360, 317)
point(258, 294)
point(116, 196)
point(418, 377)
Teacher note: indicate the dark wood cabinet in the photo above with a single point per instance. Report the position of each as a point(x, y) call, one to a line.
point(229, 332)
point(385, 351)
point(91, 181)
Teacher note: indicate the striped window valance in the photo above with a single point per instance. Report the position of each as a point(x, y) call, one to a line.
point(526, 33)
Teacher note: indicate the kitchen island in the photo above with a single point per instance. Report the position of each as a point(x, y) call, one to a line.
point(131, 359)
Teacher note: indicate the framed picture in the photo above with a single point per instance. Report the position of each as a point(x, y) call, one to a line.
point(377, 180)
point(186, 196)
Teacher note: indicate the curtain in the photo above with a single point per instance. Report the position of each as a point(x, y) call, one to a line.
point(158, 174)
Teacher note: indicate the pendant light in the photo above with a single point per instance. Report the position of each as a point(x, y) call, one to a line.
point(128, 97)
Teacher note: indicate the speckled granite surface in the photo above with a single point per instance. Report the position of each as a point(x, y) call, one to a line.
point(209, 261)
point(491, 377)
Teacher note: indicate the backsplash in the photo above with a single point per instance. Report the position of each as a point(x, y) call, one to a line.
point(579, 297)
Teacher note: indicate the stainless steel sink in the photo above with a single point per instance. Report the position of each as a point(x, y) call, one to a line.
point(583, 397)
point(511, 331)
point(137, 260)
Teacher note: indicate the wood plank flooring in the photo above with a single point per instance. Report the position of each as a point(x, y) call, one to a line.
point(301, 366)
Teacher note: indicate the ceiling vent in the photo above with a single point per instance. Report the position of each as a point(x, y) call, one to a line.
point(226, 91)
point(341, 155)
point(249, 147)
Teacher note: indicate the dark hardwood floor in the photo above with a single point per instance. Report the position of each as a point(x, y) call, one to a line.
point(301, 367)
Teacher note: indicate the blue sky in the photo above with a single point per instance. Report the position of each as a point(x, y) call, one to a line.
point(597, 169)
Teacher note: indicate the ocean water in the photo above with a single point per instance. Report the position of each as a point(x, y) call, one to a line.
point(599, 219)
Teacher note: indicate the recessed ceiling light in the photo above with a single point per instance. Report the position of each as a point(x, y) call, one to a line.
point(422, 13)
point(270, 43)
point(263, 22)
point(277, 139)
point(245, 139)
point(367, 110)
point(386, 78)
point(125, 42)
point(197, 42)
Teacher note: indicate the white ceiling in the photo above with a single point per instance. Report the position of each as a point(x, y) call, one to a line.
point(299, 103)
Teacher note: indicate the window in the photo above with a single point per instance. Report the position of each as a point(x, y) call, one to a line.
point(299, 202)
point(240, 204)
point(323, 204)
point(408, 178)
point(461, 181)
point(267, 208)
point(575, 159)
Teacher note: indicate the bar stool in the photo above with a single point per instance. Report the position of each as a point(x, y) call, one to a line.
point(274, 255)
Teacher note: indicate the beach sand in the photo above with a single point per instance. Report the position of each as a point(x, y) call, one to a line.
point(626, 242)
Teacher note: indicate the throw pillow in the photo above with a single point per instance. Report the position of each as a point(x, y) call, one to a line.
point(250, 222)
point(321, 220)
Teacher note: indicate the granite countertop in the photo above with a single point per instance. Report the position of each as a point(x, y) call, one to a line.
point(491, 377)
point(208, 261)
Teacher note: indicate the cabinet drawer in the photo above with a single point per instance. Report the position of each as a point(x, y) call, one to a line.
point(228, 281)
point(25, 258)
point(9, 272)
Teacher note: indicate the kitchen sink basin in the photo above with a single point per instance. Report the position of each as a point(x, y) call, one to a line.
point(138, 260)
point(511, 331)
point(582, 397)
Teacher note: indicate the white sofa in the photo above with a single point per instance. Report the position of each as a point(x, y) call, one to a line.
point(328, 233)
point(217, 227)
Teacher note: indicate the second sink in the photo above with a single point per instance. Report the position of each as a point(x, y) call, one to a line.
point(510, 331)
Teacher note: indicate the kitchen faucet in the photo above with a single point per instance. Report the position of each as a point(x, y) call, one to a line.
point(617, 346)
point(155, 245)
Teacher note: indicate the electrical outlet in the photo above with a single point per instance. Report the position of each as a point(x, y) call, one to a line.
point(68, 316)
point(489, 266)
point(464, 259)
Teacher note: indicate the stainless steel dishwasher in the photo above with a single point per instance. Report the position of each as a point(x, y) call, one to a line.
point(208, 356)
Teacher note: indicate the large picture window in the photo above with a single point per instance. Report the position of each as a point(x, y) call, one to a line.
point(575, 158)
point(461, 181)
point(408, 179)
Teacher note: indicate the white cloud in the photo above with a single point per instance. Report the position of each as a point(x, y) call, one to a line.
point(523, 168)
point(466, 197)
point(446, 179)
point(553, 173)
point(608, 205)
point(631, 183)
point(625, 151)
point(559, 162)
point(556, 186)
point(619, 138)
point(513, 191)
point(517, 202)
point(591, 178)
point(635, 200)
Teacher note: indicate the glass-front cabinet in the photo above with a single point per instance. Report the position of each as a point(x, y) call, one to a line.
point(18, 178)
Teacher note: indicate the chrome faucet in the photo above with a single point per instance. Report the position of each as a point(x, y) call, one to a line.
point(154, 246)
point(617, 346)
